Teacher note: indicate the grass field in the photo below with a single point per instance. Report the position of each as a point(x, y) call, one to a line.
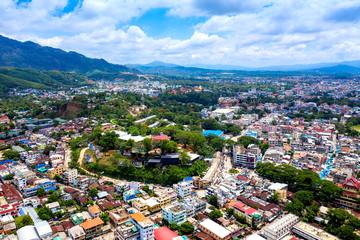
point(356, 128)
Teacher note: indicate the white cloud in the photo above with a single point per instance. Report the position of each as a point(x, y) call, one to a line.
point(252, 33)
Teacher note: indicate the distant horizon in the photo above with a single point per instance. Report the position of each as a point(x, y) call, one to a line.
point(240, 33)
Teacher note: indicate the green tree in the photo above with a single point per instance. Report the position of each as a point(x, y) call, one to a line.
point(184, 158)
point(247, 140)
point(213, 200)
point(215, 214)
point(40, 192)
point(105, 217)
point(11, 154)
point(93, 192)
point(22, 221)
point(44, 213)
point(186, 228)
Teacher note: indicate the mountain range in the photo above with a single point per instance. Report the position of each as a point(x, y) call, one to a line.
point(28, 64)
point(32, 55)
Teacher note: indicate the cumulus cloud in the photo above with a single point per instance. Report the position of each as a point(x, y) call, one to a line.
point(236, 32)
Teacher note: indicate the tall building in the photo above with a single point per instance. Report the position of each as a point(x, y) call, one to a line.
point(144, 225)
point(183, 189)
point(246, 158)
point(280, 227)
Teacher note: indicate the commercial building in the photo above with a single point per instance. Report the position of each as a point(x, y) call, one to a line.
point(174, 214)
point(246, 158)
point(214, 230)
point(280, 227)
point(309, 232)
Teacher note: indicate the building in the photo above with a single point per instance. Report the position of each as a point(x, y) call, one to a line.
point(309, 232)
point(350, 197)
point(56, 171)
point(214, 230)
point(94, 211)
point(144, 224)
point(280, 189)
point(76, 233)
point(174, 214)
point(43, 229)
point(183, 189)
point(118, 216)
point(127, 231)
point(70, 176)
point(92, 227)
point(193, 206)
point(280, 227)
point(252, 216)
point(246, 158)
point(46, 184)
point(27, 233)
point(164, 233)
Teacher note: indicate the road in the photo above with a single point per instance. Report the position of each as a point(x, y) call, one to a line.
point(67, 156)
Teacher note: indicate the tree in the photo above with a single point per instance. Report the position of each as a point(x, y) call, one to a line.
point(213, 200)
point(93, 192)
point(44, 213)
point(22, 221)
point(147, 145)
point(184, 158)
point(186, 228)
point(306, 197)
point(105, 217)
point(247, 140)
point(296, 207)
point(215, 214)
point(274, 198)
point(11, 154)
point(40, 192)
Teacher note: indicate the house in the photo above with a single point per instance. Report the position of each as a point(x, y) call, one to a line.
point(54, 207)
point(92, 227)
point(4, 119)
point(94, 211)
point(76, 233)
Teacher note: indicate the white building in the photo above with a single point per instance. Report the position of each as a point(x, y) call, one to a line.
point(144, 224)
point(70, 176)
point(309, 232)
point(174, 214)
point(280, 227)
point(214, 230)
point(183, 189)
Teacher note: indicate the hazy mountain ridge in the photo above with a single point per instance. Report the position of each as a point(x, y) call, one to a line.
point(28, 54)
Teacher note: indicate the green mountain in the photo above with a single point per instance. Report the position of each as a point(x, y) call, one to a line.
point(11, 77)
point(31, 55)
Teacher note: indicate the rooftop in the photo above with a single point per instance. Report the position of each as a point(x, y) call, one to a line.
point(215, 228)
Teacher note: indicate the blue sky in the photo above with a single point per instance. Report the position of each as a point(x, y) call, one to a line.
point(191, 32)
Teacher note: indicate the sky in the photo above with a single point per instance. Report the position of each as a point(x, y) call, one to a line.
point(249, 33)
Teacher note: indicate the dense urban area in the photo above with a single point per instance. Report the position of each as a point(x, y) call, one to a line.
point(222, 157)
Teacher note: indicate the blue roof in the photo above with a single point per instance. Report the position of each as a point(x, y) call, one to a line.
point(208, 133)
point(188, 179)
point(6, 161)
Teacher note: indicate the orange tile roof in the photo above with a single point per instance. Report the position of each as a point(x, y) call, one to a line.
point(90, 223)
point(139, 217)
point(94, 209)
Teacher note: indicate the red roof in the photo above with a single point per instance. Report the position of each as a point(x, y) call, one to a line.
point(352, 182)
point(250, 211)
point(164, 233)
point(161, 137)
point(239, 205)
